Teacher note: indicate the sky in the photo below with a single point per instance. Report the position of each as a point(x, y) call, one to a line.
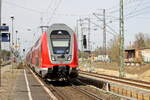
point(30, 14)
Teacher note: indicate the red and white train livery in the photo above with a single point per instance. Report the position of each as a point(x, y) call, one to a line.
point(55, 54)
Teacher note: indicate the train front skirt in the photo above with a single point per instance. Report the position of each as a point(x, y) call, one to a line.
point(59, 73)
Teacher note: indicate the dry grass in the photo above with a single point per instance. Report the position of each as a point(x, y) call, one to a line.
point(113, 69)
point(114, 66)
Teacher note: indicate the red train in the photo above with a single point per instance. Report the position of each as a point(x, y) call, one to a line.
point(55, 54)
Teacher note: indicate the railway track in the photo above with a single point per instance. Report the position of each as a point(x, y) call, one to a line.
point(92, 95)
point(127, 87)
point(67, 90)
point(60, 95)
point(136, 83)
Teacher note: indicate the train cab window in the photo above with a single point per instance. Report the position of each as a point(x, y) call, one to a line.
point(60, 42)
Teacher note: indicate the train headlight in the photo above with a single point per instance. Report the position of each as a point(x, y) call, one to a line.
point(53, 58)
point(69, 58)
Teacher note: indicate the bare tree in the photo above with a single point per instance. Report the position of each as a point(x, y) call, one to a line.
point(113, 49)
point(139, 41)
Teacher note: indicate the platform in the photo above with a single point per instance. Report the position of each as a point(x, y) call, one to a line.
point(26, 87)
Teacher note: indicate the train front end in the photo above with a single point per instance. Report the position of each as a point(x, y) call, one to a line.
point(63, 50)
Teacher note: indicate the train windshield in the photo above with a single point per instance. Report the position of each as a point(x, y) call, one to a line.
point(60, 42)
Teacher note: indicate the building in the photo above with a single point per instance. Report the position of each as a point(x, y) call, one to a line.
point(139, 56)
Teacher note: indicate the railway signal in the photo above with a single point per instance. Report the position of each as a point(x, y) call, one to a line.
point(5, 36)
point(24, 50)
point(84, 42)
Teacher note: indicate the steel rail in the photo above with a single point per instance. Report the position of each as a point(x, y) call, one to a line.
point(136, 83)
point(94, 96)
point(60, 94)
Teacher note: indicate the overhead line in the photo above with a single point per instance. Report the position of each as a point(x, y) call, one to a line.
point(115, 10)
point(106, 25)
point(53, 5)
point(57, 6)
point(141, 1)
point(29, 9)
point(138, 11)
point(49, 7)
point(137, 14)
point(50, 4)
point(102, 28)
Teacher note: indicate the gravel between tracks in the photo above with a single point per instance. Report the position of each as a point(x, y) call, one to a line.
point(71, 93)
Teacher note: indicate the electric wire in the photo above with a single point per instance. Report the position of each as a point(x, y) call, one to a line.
point(50, 5)
point(138, 12)
point(106, 24)
point(102, 28)
point(136, 7)
point(50, 8)
point(19, 6)
point(54, 11)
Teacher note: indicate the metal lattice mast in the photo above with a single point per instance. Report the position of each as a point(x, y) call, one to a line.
point(104, 32)
point(122, 66)
point(0, 41)
point(81, 34)
point(0, 18)
point(89, 32)
point(77, 30)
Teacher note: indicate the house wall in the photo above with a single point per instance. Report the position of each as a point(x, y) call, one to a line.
point(145, 55)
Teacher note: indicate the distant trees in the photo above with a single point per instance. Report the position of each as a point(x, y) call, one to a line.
point(4, 55)
point(141, 41)
point(113, 49)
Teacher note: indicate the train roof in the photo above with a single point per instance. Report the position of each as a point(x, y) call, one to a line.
point(60, 26)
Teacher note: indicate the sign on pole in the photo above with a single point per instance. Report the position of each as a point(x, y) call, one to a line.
point(5, 37)
point(4, 28)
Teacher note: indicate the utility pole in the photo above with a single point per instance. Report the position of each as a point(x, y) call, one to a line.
point(19, 44)
point(80, 20)
point(89, 32)
point(16, 40)
point(81, 34)
point(12, 48)
point(77, 30)
point(0, 40)
point(104, 32)
point(0, 18)
point(12, 20)
point(122, 67)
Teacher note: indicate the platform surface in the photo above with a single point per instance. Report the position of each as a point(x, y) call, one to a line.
point(28, 88)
